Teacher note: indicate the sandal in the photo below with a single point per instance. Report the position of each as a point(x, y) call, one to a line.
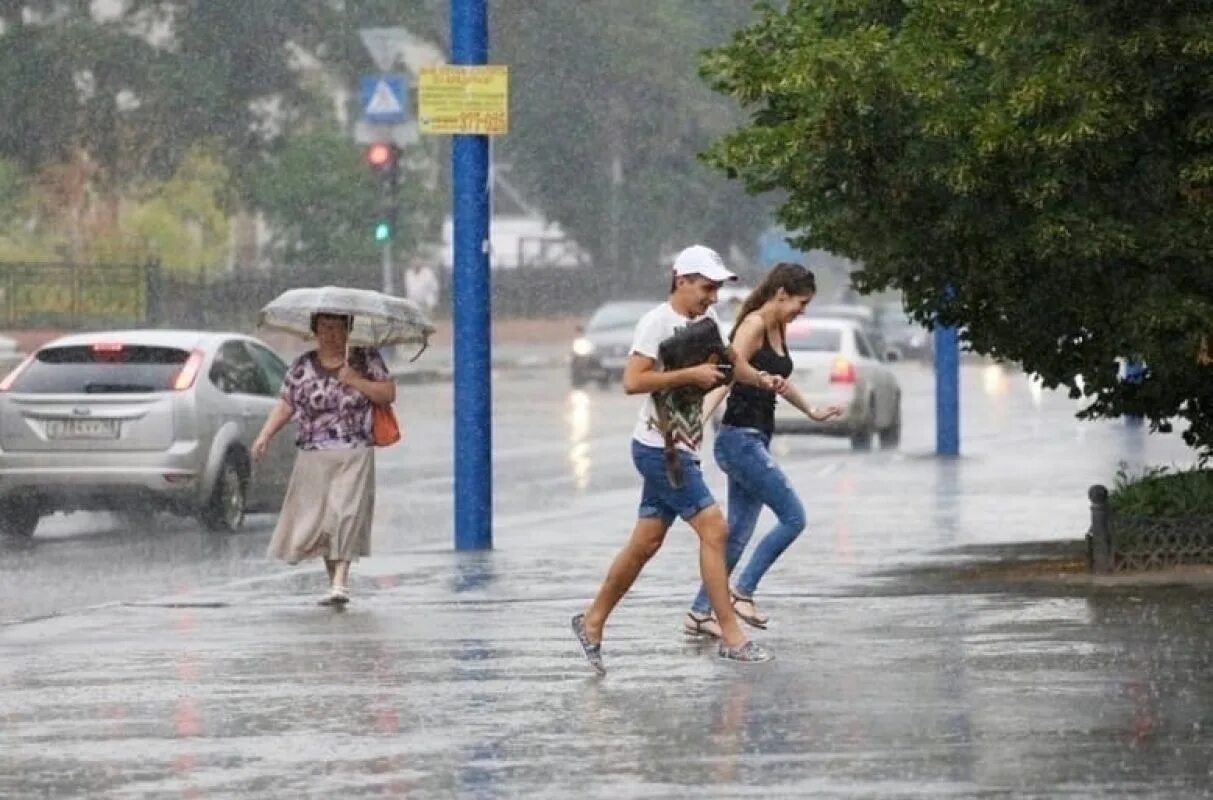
point(750, 616)
point(700, 627)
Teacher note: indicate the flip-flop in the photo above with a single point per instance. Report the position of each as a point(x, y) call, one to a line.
point(754, 621)
point(695, 625)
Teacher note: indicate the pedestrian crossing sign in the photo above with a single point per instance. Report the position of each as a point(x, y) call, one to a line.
point(384, 99)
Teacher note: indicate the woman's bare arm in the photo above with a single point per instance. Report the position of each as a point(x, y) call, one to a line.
point(378, 392)
point(280, 414)
point(746, 342)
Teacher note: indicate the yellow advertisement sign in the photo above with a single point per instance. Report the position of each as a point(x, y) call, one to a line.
point(475, 100)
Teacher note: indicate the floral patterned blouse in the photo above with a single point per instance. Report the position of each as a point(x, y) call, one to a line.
point(328, 414)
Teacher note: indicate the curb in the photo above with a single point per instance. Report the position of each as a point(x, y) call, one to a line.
point(446, 372)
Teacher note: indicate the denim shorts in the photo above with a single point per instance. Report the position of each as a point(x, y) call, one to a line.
point(661, 500)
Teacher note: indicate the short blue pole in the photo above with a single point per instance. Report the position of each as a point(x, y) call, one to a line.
point(947, 392)
point(470, 300)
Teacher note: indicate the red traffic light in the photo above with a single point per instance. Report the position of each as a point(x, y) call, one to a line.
point(380, 155)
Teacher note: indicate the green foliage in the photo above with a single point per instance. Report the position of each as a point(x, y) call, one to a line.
point(323, 201)
point(12, 190)
point(595, 84)
point(233, 82)
point(1162, 492)
point(182, 223)
point(16, 243)
point(1040, 173)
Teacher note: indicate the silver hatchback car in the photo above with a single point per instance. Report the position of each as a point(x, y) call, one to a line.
point(141, 421)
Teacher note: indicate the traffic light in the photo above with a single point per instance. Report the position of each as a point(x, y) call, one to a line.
point(384, 159)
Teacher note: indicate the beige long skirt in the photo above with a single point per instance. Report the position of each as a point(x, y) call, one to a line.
point(328, 508)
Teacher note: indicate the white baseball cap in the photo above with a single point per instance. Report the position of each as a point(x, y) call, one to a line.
point(700, 260)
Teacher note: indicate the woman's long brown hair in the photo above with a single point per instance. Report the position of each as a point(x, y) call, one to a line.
point(795, 279)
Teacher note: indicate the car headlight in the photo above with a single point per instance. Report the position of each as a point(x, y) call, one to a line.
point(583, 346)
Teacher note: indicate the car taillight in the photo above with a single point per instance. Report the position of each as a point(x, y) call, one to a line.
point(107, 347)
point(842, 371)
point(11, 378)
point(189, 372)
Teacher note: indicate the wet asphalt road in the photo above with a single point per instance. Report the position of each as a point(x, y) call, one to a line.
point(554, 447)
point(455, 675)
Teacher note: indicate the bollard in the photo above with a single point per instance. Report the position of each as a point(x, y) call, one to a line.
point(1099, 537)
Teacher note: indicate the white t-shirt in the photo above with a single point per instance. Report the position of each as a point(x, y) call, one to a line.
point(654, 328)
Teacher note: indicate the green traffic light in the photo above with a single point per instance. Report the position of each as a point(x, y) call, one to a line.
point(383, 232)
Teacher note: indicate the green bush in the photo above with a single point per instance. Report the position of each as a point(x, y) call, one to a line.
point(1163, 492)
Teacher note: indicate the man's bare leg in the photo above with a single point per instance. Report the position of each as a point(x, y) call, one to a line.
point(713, 532)
point(646, 540)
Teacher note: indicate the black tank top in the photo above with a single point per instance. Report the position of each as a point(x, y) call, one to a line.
point(749, 406)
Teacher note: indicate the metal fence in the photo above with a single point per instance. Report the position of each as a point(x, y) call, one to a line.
point(1129, 542)
point(77, 297)
point(69, 296)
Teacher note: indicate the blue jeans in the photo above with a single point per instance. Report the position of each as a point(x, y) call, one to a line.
point(755, 480)
point(659, 499)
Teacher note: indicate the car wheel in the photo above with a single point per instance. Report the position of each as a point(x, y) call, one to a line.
point(578, 380)
point(224, 511)
point(890, 437)
point(604, 382)
point(19, 519)
point(862, 438)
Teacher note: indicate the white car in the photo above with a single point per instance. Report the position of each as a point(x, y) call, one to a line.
point(837, 365)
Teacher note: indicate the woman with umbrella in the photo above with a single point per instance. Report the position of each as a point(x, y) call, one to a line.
point(329, 392)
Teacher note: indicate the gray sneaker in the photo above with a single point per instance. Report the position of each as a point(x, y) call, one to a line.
point(748, 653)
point(593, 652)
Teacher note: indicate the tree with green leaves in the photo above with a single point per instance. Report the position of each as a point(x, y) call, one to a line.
point(1039, 173)
point(181, 223)
point(132, 93)
point(321, 199)
point(606, 117)
point(605, 92)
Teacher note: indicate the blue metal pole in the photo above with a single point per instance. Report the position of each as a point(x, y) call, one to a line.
point(947, 392)
point(470, 301)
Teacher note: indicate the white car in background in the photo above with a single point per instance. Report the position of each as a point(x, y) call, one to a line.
point(837, 365)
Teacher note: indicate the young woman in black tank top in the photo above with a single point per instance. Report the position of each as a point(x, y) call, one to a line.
point(743, 442)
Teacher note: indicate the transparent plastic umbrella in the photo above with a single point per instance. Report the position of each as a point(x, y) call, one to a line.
point(379, 319)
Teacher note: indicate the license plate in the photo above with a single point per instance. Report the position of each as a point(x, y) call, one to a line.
point(82, 429)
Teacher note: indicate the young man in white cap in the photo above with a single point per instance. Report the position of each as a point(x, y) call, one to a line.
point(698, 273)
